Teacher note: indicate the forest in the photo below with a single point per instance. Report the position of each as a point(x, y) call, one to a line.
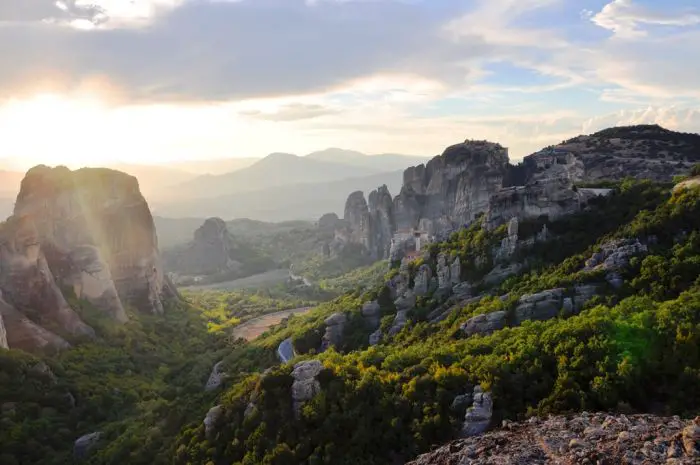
point(632, 348)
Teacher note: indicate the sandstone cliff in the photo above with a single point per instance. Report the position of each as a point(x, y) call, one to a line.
point(89, 231)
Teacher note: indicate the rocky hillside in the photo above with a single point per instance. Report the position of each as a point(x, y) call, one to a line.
point(85, 234)
point(475, 178)
point(582, 439)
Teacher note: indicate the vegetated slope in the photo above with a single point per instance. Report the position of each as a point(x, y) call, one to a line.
point(632, 348)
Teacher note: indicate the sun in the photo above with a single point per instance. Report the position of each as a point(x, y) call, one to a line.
point(52, 129)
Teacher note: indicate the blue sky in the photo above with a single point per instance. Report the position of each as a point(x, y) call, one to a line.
point(158, 80)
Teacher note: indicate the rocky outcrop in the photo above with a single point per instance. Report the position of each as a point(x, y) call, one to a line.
point(371, 311)
point(422, 280)
point(375, 337)
point(335, 325)
point(210, 253)
point(615, 255)
point(577, 440)
point(382, 223)
point(485, 324)
point(407, 301)
point(305, 385)
point(544, 305)
point(285, 351)
point(84, 444)
point(478, 417)
point(502, 272)
point(216, 377)
point(358, 220)
point(453, 188)
point(89, 230)
point(211, 418)
point(509, 243)
point(399, 322)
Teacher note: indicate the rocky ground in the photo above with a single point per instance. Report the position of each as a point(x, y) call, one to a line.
point(596, 439)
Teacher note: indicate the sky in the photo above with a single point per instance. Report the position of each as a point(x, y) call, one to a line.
point(157, 81)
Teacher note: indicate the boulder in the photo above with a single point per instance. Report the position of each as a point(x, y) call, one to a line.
point(84, 444)
point(615, 255)
point(215, 377)
point(400, 321)
point(211, 418)
point(544, 305)
point(305, 385)
point(485, 324)
point(335, 325)
point(371, 311)
point(478, 416)
point(406, 302)
point(285, 351)
point(462, 291)
point(461, 401)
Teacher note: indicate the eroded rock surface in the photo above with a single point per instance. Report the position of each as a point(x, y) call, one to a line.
point(335, 325)
point(211, 418)
point(89, 230)
point(84, 444)
point(485, 324)
point(578, 440)
point(478, 416)
point(305, 385)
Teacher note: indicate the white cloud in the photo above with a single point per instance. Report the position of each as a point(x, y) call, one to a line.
point(626, 19)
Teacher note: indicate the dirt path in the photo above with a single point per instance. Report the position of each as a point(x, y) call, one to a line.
point(255, 327)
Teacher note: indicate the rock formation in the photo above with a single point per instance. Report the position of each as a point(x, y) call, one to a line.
point(478, 416)
point(84, 444)
point(577, 440)
point(211, 418)
point(305, 385)
point(453, 188)
point(544, 305)
point(422, 280)
point(335, 325)
point(89, 230)
point(475, 178)
point(371, 311)
point(211, 252)
point(485, 324)
point(285, 351)
point(216, 377)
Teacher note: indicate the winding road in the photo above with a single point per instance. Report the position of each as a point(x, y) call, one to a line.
point(255, 327)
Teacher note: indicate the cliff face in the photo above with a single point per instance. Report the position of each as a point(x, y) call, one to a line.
point(453, 188)
point(88, 230)
point(475, 177)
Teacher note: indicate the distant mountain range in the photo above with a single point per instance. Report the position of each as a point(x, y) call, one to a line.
point(278, 187)
point(306, 201)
